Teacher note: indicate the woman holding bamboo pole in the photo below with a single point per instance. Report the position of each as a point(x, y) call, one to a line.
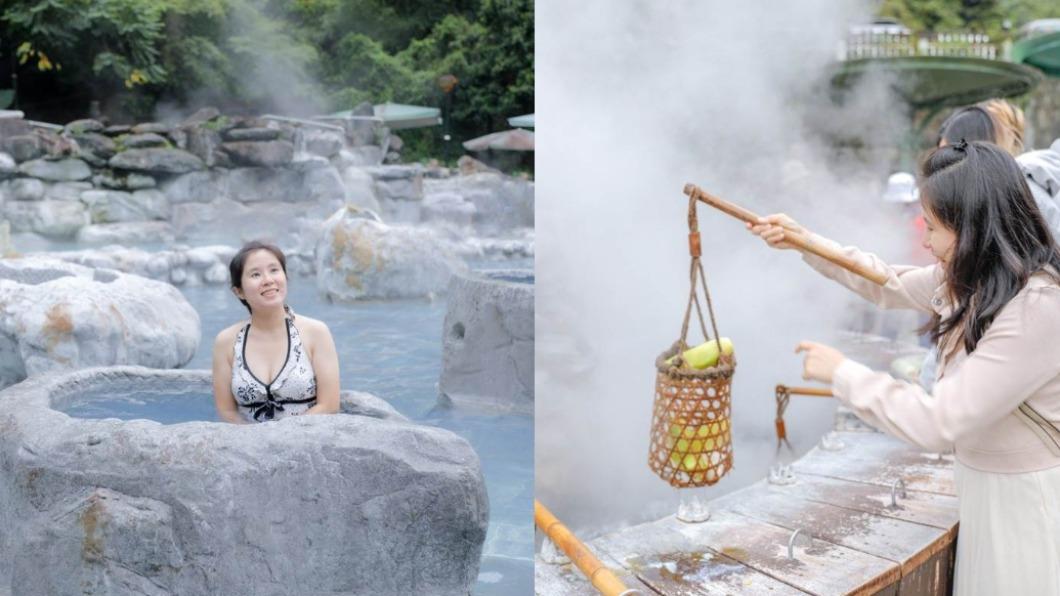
point(994, 298)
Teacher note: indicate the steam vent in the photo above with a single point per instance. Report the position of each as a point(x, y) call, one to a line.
point(872, 516)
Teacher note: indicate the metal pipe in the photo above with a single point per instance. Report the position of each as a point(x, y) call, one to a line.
point(600, 576)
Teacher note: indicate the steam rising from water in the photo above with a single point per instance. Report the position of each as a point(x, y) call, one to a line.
point(636, 99)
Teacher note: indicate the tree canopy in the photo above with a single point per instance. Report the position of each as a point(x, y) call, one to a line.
point(136, 59)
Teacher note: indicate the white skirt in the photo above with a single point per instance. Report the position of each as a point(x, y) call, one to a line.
point(1009, 537)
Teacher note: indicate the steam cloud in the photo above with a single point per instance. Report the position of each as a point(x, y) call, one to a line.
point(635, 99)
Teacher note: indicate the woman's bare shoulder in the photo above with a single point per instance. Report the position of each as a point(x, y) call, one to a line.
point(228, 334)
point(310, 326)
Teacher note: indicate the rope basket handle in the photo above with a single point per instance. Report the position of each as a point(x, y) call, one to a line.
point(696, 274)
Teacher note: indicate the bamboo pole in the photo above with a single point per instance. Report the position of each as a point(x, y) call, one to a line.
point(601, 577)
point(807, 391)
point(792, 237)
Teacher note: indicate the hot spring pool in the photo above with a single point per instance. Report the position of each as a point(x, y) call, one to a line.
point(393, 350)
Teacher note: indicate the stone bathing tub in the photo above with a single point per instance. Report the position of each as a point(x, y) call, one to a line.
point(347, 504)
point(488, 342)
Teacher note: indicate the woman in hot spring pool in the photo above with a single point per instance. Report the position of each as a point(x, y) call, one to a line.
point(275, 364)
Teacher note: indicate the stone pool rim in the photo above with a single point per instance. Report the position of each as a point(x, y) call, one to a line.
point(199, 470)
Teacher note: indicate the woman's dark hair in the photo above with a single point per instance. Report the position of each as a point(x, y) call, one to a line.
point(978, 191)
point(971, 123)
point(235, 267)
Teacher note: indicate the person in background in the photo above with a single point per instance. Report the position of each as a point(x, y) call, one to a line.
point(275, 364)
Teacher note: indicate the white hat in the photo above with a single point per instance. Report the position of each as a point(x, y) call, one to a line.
point(901, 188)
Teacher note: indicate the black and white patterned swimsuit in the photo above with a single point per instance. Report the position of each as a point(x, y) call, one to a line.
point(292, 392)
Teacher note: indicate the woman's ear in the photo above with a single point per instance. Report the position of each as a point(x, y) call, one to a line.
point(238, 292)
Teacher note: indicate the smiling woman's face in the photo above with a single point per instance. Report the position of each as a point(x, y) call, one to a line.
point(264, 282)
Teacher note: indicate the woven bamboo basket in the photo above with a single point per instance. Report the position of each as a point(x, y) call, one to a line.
point(691, 430)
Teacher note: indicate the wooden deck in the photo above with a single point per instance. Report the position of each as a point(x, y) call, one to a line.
point(861, 543)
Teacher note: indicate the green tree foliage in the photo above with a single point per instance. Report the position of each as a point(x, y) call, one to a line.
point(997, 18)
point(295, 56)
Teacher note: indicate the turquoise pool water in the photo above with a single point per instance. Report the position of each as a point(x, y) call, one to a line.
point(392, 349)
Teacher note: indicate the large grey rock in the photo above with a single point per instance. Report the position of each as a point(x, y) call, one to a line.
point(201, 116)
point(250, 185)
point(144, 140)
point(252, 134)
point(268, 154)
point(157, 161)
point(117, 130)
point(197, 187)
point(323, 143)
point(324, 184)
point(161, 265)
point(139, 232)
point(359, 257)
point(63, 170)
point(157, 128)
point(99, 145)
point(115, 206)
point(399, 190)
point(488, 342)
point(361, 156)
point(179, 137)
point(57, 219)
point(27, 189)
point(124, 181)
point(205, 144)
point(502, 203)
point(343, 504)
point(228, 221)
point(8, 167)
point(23, 147)
point(448, 208)
point(11, 127)
point(86, 125)
point(366, 404)
point(66, 191)
point(95, 317)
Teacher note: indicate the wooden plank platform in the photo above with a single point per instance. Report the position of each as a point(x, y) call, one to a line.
point(862, 543)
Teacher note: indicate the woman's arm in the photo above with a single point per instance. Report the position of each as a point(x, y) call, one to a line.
point(1011, 362)
point(906, 287)
point(326, 366)
point(222, 381)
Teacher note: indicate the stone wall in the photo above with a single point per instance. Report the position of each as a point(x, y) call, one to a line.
point(223, 180)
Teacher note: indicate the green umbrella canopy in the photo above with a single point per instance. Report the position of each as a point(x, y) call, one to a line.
point(508, 140)
point(1040, 46)
point(397, 116)
point(524, 121)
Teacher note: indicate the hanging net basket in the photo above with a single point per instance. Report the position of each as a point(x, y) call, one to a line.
point(691, 431)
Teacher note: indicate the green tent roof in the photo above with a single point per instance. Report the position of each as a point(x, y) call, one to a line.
point(524, 121)
point(1042, 52)
point(398, 116)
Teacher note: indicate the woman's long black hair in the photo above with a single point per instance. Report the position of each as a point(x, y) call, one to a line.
point(978, 191)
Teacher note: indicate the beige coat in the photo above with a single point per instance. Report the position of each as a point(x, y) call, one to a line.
point(971, 407)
